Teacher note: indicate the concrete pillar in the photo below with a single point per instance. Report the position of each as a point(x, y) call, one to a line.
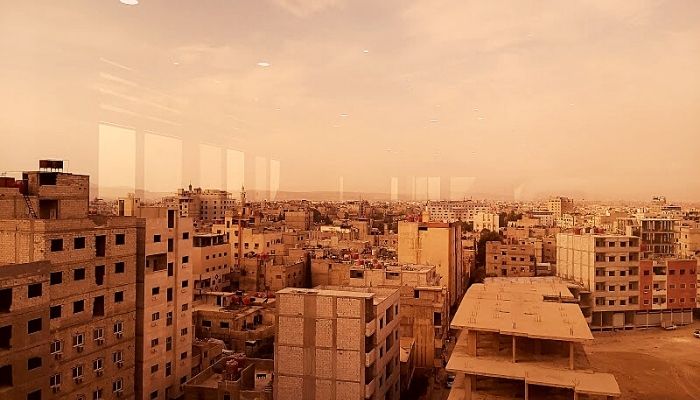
point(527, 395)
point(469, 386)
point(571, 355)
point(514, 358)
point(575, 395)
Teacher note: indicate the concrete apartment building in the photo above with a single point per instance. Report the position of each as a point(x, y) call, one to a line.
point(163, 307)
point(207, 206)
point(559, 206)
point(510, 259)
point(299, 220)
point(619, 289)
point(244, 322)
point(423, 300)
point(452, 211)
point(689, 241)
point(337, 343)
point(233, 378)
point(438, 244)
point(659, 237)
point(87, 295)
point(211, 263)
point(515, 343)
point(486, 221)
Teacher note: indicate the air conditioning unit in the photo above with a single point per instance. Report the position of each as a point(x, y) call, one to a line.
point(58, 355)
point(56, 388)
point(78, 379)
point(79, 348)
point(119, 335)
point(99, 372)
point(100, 341)
point(120, 364)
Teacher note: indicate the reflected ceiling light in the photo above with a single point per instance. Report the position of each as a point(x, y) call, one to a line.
point(365, 51)
point(343, 115)
point(263, 64)
point(129, 2)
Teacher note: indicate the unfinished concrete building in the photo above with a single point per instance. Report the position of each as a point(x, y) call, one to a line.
point(515, 344)
point(90, 292)
point(510, 260)
point(337, 343)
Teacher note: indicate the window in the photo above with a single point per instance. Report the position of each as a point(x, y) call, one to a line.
point(119, 267)
point(56, 346)
point(98, 306)
point(33, 363)
point(170, 269)
point(168, 369)
point(154, 395)
point(56, 244)
point(34, 290)
point(185, 235)
point(169, 318)
point(117, 356)
point(78, 371)
point(155, 291)
point(35, 395)
point(224, 324)
point(98, 333)
point(79, 274)
point(120, 239)
point(79, 243)
point(185, 259)
point(185, 283)
point(118, 385)
point(169, 294)
point(118, 297)
point(154, 342)
point(97, 364)
point(97, 394)
point(34, 325)
point(183, 331)
point(168, 343)
point(56, 278)
point(55, 312)
point(118, 327)
point(78, 340)
point(206, 324)
point(78, 306)
point(171, 245)
point(155, 316)
point(156, 238)
point(154, 368)
point(183, 355)
point(55, 380)
point(183, 380)
point(185, 307)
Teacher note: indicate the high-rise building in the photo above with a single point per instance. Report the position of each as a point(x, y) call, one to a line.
point(559, 206)
point(337, 343)
point(517, 259)
point(163, 302)
point(85, 291)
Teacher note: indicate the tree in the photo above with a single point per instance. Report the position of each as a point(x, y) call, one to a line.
point(486, 236)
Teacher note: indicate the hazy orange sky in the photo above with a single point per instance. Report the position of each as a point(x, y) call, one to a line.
point(592, 98)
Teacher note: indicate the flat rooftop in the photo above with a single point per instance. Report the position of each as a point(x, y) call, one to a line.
point(581, 381)
point(378, 294)
point(487, 307)
point(538, 287)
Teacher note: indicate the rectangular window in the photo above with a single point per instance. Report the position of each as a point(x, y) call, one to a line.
point(168, 369)
point(97, 364)
point(155, 316)
point(78, 339)
point(55, 312)
point(118, 327)
point(78, 306)
point(55, 380)
point(33, 363)
point(154, 368)
point(79, 243)
point(168, 343)
point(77, 371)
point(56, 278)
point(117, 356)
point(185, 283)
point(98, 333)
point(56, 244)
point(183, 331)
point(56, 346)
point(120, 239)
point(118, 297)
point(119, 267)
point(34, 325)
point(156, 238)
point(34, 290)
point(183, 355)
point(169, 318)
point(185, 235)
point(79, 274)
point(155, 291)
point(185, 259)
point(185, 307)
point(154, 342)
point(118, 385)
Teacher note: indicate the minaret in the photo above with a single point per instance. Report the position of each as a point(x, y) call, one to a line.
point(243, 201)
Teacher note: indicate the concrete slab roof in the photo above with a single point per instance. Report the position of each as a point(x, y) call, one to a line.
point(543, 286)
point(581, 381)
point(520, 314)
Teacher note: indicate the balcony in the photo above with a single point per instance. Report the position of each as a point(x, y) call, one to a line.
point(369, 388)
point(371, 327)
point(370, 357)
